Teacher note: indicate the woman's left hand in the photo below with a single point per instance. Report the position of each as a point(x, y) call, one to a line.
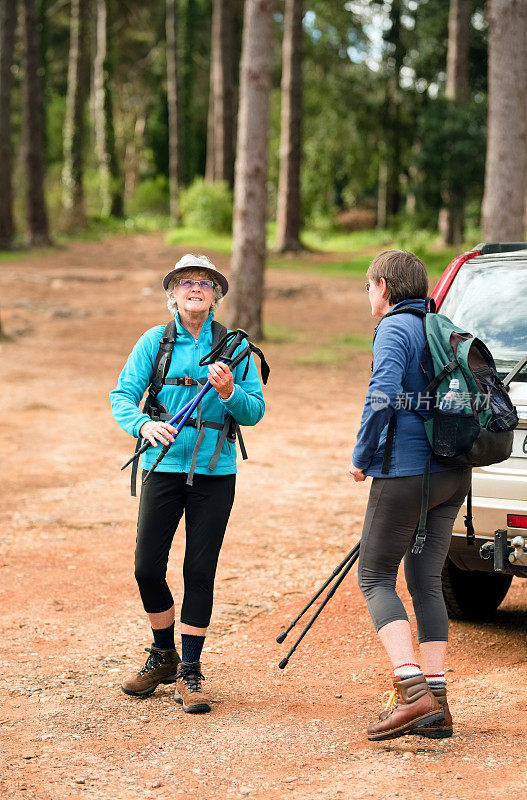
point(221, 378)
point(356, 473)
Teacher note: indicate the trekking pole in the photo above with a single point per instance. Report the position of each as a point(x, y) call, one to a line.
point(283, 663)
point(147, 444)
point(335, 572)
point(183, 417)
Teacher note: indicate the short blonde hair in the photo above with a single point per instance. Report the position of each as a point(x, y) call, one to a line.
point(404, 273)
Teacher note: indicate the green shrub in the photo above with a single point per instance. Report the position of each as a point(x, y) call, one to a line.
point(207, 206)
point(151, 196)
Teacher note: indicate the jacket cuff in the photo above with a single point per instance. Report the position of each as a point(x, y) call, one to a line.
point(139, 424)
point(228, 402)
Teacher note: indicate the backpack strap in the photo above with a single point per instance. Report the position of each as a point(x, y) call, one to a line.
point(161, 365)
point(420, 535)
point(471, 534)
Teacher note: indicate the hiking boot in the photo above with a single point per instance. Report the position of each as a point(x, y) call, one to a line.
point(411, 705)
point(161, 667)
point(188, 688)
point(442, 729)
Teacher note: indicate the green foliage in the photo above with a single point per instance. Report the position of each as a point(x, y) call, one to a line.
point(451, 154)
point(151, 196)
point(207, 205)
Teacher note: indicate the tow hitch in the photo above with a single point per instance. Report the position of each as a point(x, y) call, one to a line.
point(504, 553)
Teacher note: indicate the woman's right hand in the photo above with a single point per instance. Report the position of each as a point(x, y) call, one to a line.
point(157, 432)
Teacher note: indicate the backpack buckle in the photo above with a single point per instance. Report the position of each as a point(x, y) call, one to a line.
point(187, 381)
point(419, 543)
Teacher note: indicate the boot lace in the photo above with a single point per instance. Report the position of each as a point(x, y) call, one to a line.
point(390, 698)
point(192, 676)
point(154, 660)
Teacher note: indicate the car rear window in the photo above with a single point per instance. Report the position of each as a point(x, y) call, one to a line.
point(490, 301)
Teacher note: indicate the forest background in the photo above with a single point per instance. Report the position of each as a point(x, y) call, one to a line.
point(398, 122)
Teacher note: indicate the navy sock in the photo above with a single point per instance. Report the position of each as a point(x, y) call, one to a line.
point(164, 637)
point(191, 647)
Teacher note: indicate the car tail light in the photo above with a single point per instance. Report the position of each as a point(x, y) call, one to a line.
point(517, 520)
point(445, 281)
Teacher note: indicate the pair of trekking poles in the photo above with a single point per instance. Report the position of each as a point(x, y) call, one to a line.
point(343, 568)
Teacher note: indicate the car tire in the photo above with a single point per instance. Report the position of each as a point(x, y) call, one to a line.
point(472, 595)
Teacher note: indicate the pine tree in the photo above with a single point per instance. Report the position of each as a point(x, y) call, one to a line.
point(33, 115)
point(250, 198)
point(289, 216)
point(74, 125)
point(506, 165)
point(7, 40)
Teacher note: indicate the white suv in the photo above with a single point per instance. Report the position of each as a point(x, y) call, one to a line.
point(485, 292)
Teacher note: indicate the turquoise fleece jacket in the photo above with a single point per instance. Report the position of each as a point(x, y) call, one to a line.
point(246, 404)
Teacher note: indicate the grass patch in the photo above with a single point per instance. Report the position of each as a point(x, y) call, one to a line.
point(336, 350)
point(198, 239)
point(279, 334)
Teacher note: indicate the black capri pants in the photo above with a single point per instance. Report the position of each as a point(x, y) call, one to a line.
point(207, 507)
point(391, 520)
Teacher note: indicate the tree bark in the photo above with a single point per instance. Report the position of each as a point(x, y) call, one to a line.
point(7, 41)
point(250, 200)
point(33, 115)
point(452, 215)
point(289, 214)
point(111, 183)
point(74, 126)
point(393, 110)
point(173, 106)
point(506, 163)
point(220, 159)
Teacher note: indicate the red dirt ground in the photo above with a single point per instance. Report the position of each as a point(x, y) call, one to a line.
point(72, 619)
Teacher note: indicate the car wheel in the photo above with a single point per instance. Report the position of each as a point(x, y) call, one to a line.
point(472, 595)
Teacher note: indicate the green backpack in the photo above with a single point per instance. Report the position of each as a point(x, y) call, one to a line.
point(478, 429)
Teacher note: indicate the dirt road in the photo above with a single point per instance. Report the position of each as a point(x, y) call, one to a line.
point(72, 621)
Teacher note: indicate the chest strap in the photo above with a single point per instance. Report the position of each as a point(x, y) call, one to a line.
point(230, 431)
point(185, 381)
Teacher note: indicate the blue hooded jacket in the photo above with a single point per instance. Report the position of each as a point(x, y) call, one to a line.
point(398, 345)
point(246, 404)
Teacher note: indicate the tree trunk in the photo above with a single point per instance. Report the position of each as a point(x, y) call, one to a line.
point(250, 200)
point(289, 214)
point(74, 126)
point(506, 164)
point(133, 148)
point(111, 183)
point(7, 40)
point(452, 215)
point(188, 76)
point(33, 115)
point(220, 159)
point(173, 106)
point(393, 109)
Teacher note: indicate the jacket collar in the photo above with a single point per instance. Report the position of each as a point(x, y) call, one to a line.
point(182, 331)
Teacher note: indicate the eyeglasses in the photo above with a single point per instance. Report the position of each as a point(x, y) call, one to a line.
point(188, 283)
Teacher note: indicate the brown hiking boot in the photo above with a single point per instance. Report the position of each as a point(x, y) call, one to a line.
point(188, 688)
point(442, 729)
point(411, 705)
point(161, 667)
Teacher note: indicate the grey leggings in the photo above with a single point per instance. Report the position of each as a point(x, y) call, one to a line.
point(391, 519)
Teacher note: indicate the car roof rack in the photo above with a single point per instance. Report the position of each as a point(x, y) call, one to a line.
point(500, 247)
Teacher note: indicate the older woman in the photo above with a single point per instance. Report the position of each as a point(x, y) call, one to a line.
point(186, 480)
point(418, 704)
